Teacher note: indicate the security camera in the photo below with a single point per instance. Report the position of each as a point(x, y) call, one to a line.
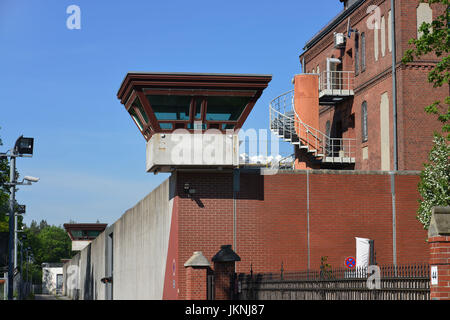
point(31, 179)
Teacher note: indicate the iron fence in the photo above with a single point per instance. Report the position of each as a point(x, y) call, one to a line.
point(401, 282)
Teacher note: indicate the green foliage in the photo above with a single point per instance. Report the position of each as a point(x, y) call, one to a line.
point(4, 193)
point(48, 244)
point(54, 245)
point(434, 185)
point(435, 39)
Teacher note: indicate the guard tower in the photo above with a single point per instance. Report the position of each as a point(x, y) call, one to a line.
point(190, 120)
point(82, 234)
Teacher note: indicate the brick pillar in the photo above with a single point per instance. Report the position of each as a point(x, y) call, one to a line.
point(439, 241)
point(196, 276)
point(224, 270)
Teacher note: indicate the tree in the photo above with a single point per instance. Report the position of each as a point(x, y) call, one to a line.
point(48, 244)
point(434, 182)
point(435, 39)
point(4, 193)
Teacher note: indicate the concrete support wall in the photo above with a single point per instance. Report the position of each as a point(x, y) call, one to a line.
point(140, 247)
point(141, 238)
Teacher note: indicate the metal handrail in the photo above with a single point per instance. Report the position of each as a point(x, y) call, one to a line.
point(283, 117)
point(340, 81)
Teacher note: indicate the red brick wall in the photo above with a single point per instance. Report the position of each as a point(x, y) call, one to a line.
point(272, 219)
point(440, 257)
point(196, 283)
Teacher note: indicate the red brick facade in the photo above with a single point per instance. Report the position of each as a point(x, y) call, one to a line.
point(196, 283)
point(272, 219)
point(414, 126)
point(440, 259)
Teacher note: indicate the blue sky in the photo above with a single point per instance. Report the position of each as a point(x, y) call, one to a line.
point(59, 85)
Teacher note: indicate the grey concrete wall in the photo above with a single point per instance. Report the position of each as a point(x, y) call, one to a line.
point(71, 278)
point(140, 245)
point(141, 239)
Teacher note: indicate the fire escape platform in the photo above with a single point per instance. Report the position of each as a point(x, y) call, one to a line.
point(334, 96)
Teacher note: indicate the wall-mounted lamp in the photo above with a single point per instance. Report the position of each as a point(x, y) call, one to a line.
point(188, 190)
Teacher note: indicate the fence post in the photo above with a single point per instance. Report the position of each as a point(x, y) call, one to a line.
point(224, 272)
point(439, 241)
point(196, 276)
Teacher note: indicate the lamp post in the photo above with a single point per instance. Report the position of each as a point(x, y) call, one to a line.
point(22, 148)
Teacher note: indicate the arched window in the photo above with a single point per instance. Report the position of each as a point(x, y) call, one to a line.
point(424, 15)
point(364, 128)
point(363, 51)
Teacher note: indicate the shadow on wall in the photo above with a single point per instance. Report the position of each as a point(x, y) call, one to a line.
point(89, 278)
point(47, 282)
point(198, 186)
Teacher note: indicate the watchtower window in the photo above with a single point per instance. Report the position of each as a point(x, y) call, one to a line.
point(225, 108)
point(198, 108)
point(137, 105)
point(170, 107)
point(136, 119)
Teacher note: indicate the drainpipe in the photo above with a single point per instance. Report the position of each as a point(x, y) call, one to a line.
point(394, 84)
point(394, 109)
point(307, 221)
point(236, 189)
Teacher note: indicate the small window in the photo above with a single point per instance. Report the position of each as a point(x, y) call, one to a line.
point(225, 108)
point(364, 128)
point(363, 52)
point(328, 128)
point(356, 54)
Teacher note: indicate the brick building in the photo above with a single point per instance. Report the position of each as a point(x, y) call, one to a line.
point(350, 60)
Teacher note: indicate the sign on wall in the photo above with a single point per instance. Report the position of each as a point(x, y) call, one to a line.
point(434, 275)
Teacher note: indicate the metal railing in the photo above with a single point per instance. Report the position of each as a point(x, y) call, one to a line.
point(285, 122)
point(337, 82)
point(401, 282)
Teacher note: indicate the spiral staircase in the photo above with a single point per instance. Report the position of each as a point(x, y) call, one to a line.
point(287, 125)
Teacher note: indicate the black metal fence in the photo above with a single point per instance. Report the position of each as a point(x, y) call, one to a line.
point(388, 282)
